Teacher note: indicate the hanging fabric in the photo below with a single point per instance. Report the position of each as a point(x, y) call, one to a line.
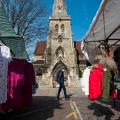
point(113, 86)
point(21, 76)
point(95, 82)
point(28, 82)
point(4, 59)
point(15, 85)
point(3, 79)
point(85, 81)
point(106, 84)
point(5, 51)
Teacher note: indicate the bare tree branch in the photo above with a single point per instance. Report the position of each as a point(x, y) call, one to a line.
point(27, 17)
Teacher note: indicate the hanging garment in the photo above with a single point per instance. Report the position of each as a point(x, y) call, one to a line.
point(95, 82)
point(82, 84)
point(4, 59)
point(85, 80)
point(106, 84)
point(15, 85)
point(3, 79)
point(17, 81)
point(113, 86)
point(19, 90)
point(114, 94)
point(29, 80)
point(5, 51)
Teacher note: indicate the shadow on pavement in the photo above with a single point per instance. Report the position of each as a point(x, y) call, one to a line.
point(70, 95)
point(115, 106)
point(42, 108)
point(100, 110)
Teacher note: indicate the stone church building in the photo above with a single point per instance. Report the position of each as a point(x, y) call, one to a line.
point(59, 51)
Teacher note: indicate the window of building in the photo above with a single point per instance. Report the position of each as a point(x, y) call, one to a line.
point(62, 28)
point(56, 28)
point(60, 52)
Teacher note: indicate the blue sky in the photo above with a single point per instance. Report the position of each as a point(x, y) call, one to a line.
point(81, 12)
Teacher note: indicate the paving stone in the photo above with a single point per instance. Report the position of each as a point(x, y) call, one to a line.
point(96, 110)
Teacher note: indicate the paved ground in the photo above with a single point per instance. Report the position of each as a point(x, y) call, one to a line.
point(47, 107)
point(96, 110)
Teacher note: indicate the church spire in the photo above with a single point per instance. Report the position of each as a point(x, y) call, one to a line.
point(59, 8)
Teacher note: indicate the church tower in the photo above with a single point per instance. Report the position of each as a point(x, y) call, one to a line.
point(60, 52)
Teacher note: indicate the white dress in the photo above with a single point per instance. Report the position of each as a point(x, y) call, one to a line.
point(85, 81)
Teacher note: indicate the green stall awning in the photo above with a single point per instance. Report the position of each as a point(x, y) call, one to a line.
point(16, 45)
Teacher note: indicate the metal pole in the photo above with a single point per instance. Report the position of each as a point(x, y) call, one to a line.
point(106, 40)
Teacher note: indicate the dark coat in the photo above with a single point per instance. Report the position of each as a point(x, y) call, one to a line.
point(61, 77)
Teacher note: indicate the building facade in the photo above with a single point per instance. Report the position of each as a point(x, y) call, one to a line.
point(59, 51)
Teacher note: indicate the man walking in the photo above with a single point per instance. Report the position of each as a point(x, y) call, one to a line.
point(62, 86)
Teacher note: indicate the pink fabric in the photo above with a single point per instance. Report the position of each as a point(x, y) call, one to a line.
point(15, 84)
point(95, 82)
point(20, 78)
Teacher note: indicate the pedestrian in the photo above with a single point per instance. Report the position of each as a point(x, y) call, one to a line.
point(61, 84)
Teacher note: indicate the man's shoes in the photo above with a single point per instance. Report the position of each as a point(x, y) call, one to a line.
point(67, 98)
point(58, 98)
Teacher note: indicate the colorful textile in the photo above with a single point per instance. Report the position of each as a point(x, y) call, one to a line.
point(15, 85)
point(95, 82)
point(20, 79)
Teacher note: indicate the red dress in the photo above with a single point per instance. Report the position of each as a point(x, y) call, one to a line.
point(95, 82)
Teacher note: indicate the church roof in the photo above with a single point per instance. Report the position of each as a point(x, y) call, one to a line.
point(40, 48)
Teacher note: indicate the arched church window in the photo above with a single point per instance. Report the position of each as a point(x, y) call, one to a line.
point(63, 29)
point(56, 28)
point(60, 52)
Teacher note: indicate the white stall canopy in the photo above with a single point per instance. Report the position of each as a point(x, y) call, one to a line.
point(105, 28)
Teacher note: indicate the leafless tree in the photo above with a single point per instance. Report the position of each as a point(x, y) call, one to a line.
point(27, 18)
